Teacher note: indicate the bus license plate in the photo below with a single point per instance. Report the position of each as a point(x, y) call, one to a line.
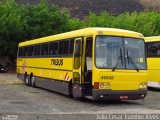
point(124, 97)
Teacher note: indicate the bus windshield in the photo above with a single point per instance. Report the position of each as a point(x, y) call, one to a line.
point(120, 53)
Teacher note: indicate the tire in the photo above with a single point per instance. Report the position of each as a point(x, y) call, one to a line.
point(26, 80)
point(74, 95)
point(33, 80)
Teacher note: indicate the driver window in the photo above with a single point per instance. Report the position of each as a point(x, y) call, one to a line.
point(77, 55)
point(89, 53)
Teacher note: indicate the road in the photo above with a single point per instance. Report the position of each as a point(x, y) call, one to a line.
point(20, 100)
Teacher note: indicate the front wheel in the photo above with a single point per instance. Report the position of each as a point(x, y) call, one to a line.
point(76, 91)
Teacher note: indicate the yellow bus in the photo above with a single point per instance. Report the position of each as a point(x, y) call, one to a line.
point(93, 63)
point(153, 59)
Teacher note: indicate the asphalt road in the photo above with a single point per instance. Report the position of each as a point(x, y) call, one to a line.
point(22, 102)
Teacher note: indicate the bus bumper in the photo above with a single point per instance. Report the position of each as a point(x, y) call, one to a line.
point(118, 95)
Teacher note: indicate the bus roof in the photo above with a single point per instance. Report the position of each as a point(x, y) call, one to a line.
point(84, 32)
point(153, 38)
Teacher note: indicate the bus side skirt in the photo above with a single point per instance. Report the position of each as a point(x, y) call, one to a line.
point(50, 84)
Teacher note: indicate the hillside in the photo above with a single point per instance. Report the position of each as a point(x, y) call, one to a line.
point(81, 8)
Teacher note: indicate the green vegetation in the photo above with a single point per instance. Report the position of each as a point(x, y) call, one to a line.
point(146, 23)
point(24, 22)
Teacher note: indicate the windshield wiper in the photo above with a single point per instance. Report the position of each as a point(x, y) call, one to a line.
point(132, 62)
point(117, 62)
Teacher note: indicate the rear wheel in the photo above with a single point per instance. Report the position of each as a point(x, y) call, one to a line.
point(32, 78)
point(26, 80)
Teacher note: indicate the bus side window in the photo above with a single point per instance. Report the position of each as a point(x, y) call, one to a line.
point(20, 52)
point(25, 52)
point(51, 48)
point(63, 47)
point(31, 51)
point(56, 48)
point(66, 47)
point(153, 49)
point(71, 46)
point(44, 49)
point(37, 50)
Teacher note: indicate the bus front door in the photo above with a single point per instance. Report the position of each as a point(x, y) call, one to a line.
point(77, 61)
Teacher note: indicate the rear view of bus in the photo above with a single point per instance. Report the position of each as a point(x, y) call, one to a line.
point(153, 59)
point(120, 70)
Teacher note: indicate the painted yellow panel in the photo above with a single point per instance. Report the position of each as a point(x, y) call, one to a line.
point(154, 69)
point(122, 79)
point(153, 65)
point(44, 67)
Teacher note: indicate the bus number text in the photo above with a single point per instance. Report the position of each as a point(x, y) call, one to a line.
point(58, 62)
point(107, 77)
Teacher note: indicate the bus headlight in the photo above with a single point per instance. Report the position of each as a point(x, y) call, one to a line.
point(143, 85)
point(104, 86)
point(107, 86)
point(101, 85)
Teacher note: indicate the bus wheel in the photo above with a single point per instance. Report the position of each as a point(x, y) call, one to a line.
point(75, 93)
point(26, 80)
point(33, 81)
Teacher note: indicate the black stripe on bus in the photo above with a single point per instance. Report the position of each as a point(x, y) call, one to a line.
point(47, 56)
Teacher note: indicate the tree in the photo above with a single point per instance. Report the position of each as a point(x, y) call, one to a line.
point(20, 22)
point(12, 26)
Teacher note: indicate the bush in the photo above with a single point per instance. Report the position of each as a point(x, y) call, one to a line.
point(146, 23)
